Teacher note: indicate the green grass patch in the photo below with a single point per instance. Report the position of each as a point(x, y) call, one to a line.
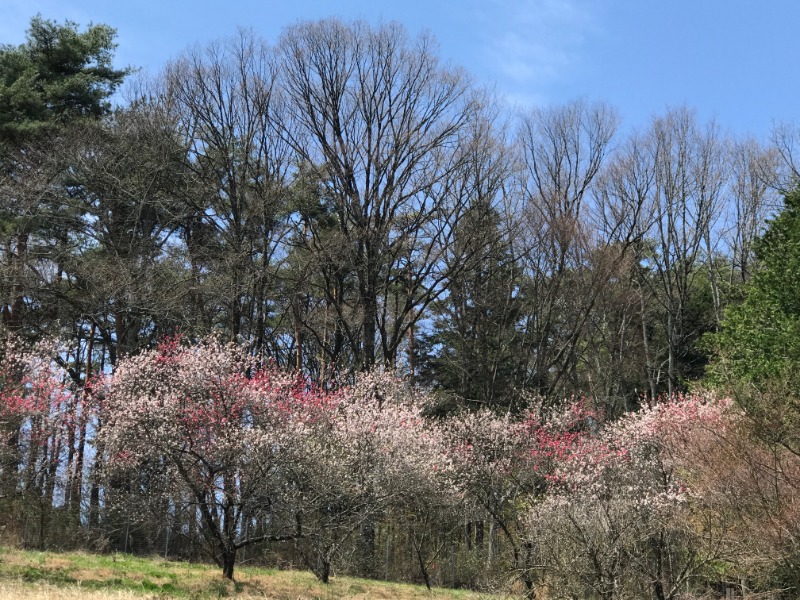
point(110, 575)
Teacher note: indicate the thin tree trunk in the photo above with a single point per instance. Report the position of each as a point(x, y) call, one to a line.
point(298, 333)
point(76, 492)
point(423, 569)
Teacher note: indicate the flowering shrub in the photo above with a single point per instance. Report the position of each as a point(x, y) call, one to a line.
point(234, 451)
point(617, 517)
point(245, 444)
point(369, 452)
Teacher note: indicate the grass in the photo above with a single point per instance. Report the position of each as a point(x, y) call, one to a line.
point(74, 575)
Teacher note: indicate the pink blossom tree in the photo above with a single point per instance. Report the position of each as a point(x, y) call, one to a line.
point(259, 455)
point(218, 427)
point(35, 421)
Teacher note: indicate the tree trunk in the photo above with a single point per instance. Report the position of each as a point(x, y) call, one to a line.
point(671, 375)
point(13, 317)
point(324, 570)
point(370, 308)
point(228, 561)
point(94, 493)
point(298, 332)
point(423, 569)
point(657, 547)
point(10, 470)
point(530, 589)
point(76, 491)
point(368, 548)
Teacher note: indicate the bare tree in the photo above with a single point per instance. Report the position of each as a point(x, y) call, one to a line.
point(620, 352)
point(753, 199)
point(566, 260)
point(387, 126)
point(686, 200)
point(785, 139)
point(222, 97)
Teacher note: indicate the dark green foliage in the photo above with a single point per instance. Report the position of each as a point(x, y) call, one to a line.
point(474, 348)
point(124, 197)
point(59, 78)
point(58, 75)
point(758, 347)
point(759, 341)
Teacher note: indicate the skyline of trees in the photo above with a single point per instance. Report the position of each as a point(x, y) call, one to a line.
point(317, 200)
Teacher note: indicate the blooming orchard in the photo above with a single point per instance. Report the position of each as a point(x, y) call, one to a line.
point(231, 451)
point(262, 455)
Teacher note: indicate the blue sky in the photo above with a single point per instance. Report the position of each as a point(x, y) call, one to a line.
point(735, 60)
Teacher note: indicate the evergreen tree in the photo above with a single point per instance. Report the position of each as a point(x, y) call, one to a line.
point(57, 78)
point(58, 75)
point(474, 346)
point(758, 347)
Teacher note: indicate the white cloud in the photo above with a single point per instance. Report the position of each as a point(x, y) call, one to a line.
point(531, 44)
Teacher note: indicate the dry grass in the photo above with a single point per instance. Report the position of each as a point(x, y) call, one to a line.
point(18, 590)
point(77, 575)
